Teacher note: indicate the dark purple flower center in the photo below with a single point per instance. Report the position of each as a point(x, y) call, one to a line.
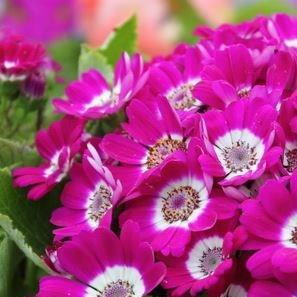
point(119, 288)
point(101, 203)
point(291, 157)
point(210, 260)
point(163, 148)
point(240, 157)
point(179, 204)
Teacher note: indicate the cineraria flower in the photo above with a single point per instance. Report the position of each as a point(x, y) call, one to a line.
point(282, 28)
point(238, 141)
point(104, 265)
point(223, 81)
point(287, 134)
point(206, 261)
point(154, 133)
point(271, 221)
point(91, 97)
point(89, 197)
point(18, 58)
point(58, 147)
point(176, 200)
point(177, 82)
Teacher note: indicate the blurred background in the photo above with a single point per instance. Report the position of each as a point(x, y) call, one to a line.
point(63, 24)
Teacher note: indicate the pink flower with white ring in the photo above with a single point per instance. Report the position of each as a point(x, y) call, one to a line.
point(88, 199)
point(91, 96)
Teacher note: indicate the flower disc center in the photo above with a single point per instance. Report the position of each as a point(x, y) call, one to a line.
point(240, 157)
point(119, 288)
point(179, 204)
point(163, 148)
point(101, 203)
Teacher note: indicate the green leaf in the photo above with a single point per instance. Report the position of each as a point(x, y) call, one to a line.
point(122, 39)
point(91, 58)
point(26, 222)
point(14, 153)
point(66, 52)
point(10, 257)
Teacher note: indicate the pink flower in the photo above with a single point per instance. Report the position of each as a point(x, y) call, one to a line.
point(88, 199)
point(281, 28)
point(238, 142)
point(271, 221)
point(103, 264)
point(287, 134)
point(154, 132)
point(91, 97)
point(175, 201)
point(19, 59)
point(176, 81)
point(223, 82)
point(57, 146)
point(206, 261)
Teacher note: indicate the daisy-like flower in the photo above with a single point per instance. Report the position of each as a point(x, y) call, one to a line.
point(154, 132)
point(206, 261)
point(176, 82)
point(271, 221)
point(18, 58)
point(91, 97)
point(88, 199)
point(223, 82)
point(238, 141)
point(57, 146)
point(176, 200)
point(104, 265)
point(282, 29)
point(287, 134)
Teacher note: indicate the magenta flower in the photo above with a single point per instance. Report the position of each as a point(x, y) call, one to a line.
point(206, 261)
point(88, 199)
point(176, 82)
point(282, 29)
point(154, 133)
point(57, 146)
point(223, 81)
point(238, 141)
point(91, 97)
point(104, 265)
point(287, 134)
point(19, 59)
point(175, 201)
point(271, 221)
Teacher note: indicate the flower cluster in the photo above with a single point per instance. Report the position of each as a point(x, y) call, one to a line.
point(200, 175)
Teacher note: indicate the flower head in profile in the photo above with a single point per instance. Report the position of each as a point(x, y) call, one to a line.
point(19, 58)
point(58, 147)
point(271, 221)
point(104, 265)
point(238, 141)
point(91, 96)
point(281, 29)
point(175, 201)
point(88, 199)
point(153, 133)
